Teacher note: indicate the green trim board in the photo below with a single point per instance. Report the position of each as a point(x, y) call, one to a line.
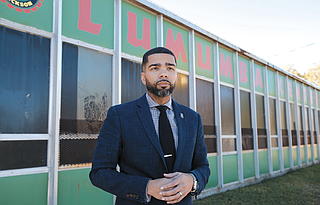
point(226, 66)
point(263, 162)
point(316, 152)
point(312, 102)
point(305, 93)
point(89, 21)
point(295, 156)
point(24, 189)
point(310, 153)
point(213, 179)
point(139, 30)
point(248, 165)
point(75, 188)
point(282, 87)
point(286, 157)
point(204, 56)
point(230, 168)
point(290, 89)
point(275, 159)
point(298, 91)
point(176, 39)
point(38, 15)
point(303, 155)
point(271, 82)
point(244, 72)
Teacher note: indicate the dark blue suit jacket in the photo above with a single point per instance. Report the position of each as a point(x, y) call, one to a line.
point(128, 138)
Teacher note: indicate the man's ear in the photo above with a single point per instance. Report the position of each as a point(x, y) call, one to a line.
point(143, 78)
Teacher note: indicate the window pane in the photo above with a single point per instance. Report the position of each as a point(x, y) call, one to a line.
point(86, 98)
point(273, 120)
point(24, 82)
point(23, 154)
point(307, 125)
point(262, 132)
point(205, 107)
point(229, 144)
point(131, 86)
point(283, 115)
point(246, 129)
point(181, 91)
point(293, 117)
point(227, 111)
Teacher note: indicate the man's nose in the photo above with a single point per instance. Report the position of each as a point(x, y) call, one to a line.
point(163, 73)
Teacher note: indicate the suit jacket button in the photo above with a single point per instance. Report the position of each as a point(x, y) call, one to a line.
point(131, 195)
point(137, 196)
point(127, 195)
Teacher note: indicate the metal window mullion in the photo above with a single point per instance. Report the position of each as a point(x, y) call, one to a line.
point(267, 118)
point(278, 117)
point(54, 103)
point(304, 125)
point(254, 120)
point(297, 121)
point(192, 72)
point(217, 113)
point(160, 30)
point(116, 62)
point(237, 103)
point(288, 116)
point(310, 123)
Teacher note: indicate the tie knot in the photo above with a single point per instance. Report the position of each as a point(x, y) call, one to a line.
point(162, 108)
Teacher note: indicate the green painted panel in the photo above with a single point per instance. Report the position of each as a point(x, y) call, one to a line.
point(38, 15)
point(290, 89)
point(263, 162)
point(312, 97)
point(318, 100)
point(286, 157)
point(282, 88)
point(298, 91)
point(177, 40)
point(75, 188)
point(248, 165)
point(89, 21)
point(24, 189)
point(309, 153)
point(204, 57)
point(226, 66)
point(306, 96)
point(139, 30)
point(316, 152)
point(213, 165)
point(275, 160)
point(271, 83)
point(295, 156)
point(303, 155)
point(244, 72)
point(230, 168)
point(258, 78)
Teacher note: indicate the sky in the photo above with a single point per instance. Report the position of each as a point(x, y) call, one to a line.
point(280, 32)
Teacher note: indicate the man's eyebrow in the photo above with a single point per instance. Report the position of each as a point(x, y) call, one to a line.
point(170, 64)
point(154, 64)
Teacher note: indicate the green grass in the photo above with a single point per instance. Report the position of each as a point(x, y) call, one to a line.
point(300, 186)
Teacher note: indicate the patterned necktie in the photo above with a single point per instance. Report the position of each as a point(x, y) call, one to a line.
point(166, 138)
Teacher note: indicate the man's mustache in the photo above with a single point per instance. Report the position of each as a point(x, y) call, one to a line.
point(163, 81)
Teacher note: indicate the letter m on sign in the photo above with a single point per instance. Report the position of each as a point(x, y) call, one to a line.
point(225, 66)
point(176, 46)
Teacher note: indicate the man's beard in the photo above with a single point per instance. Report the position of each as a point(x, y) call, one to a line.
point(152, 88)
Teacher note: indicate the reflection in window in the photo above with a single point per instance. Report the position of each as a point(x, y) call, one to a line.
point(293, 125)
point(181, 91)
point(246, 128)
point(85, 100)
point(24, 82)
point(205, 107)
point(131, 86)
point(285, 139)
point(261, 126)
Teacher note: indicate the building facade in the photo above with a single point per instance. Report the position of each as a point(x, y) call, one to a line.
point(64, 63)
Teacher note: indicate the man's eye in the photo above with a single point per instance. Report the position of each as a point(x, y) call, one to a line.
point(154, 68)
point(170, 68)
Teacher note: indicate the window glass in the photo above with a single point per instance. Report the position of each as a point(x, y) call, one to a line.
point(300, 125)
point(293, 125)
point(24, 82)
point(273, 119)
point(307, 125)
point(314, 126)
point(261, 126)
point(131, 86)
point(85, 99)
point(227, 110)
point(285, 139)
point(246, 128)
point(181, 91)
point(205, 107)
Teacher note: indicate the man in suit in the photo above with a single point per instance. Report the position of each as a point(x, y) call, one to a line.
point(157, 143)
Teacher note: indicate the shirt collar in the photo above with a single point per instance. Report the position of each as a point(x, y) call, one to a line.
point(153, 104)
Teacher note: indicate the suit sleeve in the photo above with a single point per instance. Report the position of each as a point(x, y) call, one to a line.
point(107, 152)
point(200, 162)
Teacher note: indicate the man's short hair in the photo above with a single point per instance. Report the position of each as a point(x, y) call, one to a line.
point(154, 51)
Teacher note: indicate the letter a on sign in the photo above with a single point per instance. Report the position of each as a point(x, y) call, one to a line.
point(258, 80)
point(132, 32)
point(84, 23)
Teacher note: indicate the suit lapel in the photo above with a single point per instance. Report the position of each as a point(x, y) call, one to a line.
point(181, 123)
point(147, 122)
